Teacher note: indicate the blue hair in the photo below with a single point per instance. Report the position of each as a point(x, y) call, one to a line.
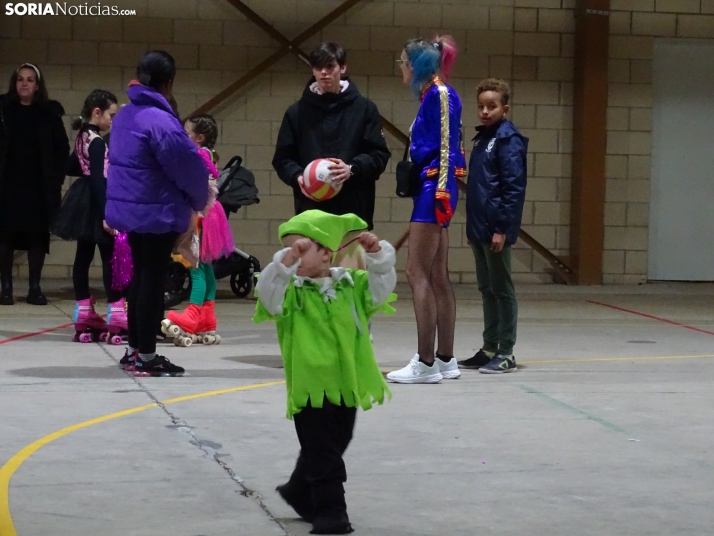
point(425, 59)
point(429, 58)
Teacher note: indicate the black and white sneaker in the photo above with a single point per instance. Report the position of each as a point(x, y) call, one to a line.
point(499, 365)
point(480, 359)
point(159, 366)
point(127, 362)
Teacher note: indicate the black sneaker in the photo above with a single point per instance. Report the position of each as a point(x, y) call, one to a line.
point(128, 361)
point(499, 365)
point(479, 360)
point(159, 366)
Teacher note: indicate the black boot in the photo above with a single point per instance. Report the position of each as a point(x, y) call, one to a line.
point(35, 262)
point(34, 294)
point(6, 293)
point(6, 259)
point(330, 509)
point(299, 499)
point(297, 491)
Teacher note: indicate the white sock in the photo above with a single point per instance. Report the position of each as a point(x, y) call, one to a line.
point(147, 357)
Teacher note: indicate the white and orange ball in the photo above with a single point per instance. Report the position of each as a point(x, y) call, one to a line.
point(317, 180)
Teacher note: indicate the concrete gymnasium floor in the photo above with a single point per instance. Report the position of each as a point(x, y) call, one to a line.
point(606, 429)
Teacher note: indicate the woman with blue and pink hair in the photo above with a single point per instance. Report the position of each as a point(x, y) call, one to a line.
point(437, 151)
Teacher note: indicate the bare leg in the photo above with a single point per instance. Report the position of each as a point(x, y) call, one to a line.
point(444, 296)
point(424, 241)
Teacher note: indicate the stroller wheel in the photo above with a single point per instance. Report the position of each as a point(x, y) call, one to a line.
point(178, 285)
point(241, 284)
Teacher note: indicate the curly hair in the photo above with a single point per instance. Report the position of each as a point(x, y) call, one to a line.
point(499, 86)
point(99, 98)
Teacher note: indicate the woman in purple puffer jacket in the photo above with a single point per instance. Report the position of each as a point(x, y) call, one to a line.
point(155, 179)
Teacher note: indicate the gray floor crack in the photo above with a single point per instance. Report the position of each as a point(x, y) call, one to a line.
point(183, 427)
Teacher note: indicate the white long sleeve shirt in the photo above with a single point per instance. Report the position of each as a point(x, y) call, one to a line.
point(275, 278)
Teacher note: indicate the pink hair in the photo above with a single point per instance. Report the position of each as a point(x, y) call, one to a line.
point(449, 51)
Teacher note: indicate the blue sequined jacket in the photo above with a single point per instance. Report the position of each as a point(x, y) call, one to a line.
point(436, 140)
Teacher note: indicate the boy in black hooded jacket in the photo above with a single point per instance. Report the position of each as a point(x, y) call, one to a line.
point(332, 120)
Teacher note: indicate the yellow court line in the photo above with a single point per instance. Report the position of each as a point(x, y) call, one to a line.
point(596, 359)
point(221, 392)
point(7, 528)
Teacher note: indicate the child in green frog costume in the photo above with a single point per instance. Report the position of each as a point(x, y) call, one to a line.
point(322, 315)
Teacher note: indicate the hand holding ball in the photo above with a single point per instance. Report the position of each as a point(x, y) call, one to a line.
point(317, 180)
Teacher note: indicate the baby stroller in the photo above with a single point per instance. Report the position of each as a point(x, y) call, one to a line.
point(236, 189)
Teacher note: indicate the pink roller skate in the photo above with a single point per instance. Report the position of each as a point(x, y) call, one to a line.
point(117, 325)
point(182, 326)
point(88, 324)
point(207, 324)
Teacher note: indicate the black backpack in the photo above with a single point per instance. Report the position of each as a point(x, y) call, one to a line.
point(236, 186)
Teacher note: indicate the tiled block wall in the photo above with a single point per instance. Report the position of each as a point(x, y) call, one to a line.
point(634, 25)
point(527, 42)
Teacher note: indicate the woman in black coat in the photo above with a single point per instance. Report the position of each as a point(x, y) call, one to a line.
point(33, 154)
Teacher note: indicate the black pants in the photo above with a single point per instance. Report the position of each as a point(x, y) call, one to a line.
point(324, 435)
point(151, 254)
point(80, 272)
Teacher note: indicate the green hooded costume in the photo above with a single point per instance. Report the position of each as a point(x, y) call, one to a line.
point(323, 326)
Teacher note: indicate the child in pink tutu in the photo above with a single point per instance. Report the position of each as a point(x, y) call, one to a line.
point(209, 239)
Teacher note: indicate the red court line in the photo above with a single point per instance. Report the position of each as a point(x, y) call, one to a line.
point(651, 317)
point(34, 334)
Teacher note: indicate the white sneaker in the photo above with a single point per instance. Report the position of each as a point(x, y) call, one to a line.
point(416, 372)
point(449, 369)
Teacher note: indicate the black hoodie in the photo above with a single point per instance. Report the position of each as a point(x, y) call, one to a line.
point(345, 126)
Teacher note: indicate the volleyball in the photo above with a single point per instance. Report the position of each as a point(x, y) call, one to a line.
point(317, 180)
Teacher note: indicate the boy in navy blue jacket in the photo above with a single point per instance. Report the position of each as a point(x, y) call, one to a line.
point(494, 206)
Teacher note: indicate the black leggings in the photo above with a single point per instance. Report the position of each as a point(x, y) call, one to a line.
point(151, 254)
point(80, 272)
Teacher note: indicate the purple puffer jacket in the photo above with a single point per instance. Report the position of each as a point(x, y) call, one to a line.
point(156, 176)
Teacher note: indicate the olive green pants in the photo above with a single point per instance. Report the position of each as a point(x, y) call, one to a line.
point(500, 308)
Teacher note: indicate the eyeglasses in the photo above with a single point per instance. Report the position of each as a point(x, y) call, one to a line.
point(401, 62)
